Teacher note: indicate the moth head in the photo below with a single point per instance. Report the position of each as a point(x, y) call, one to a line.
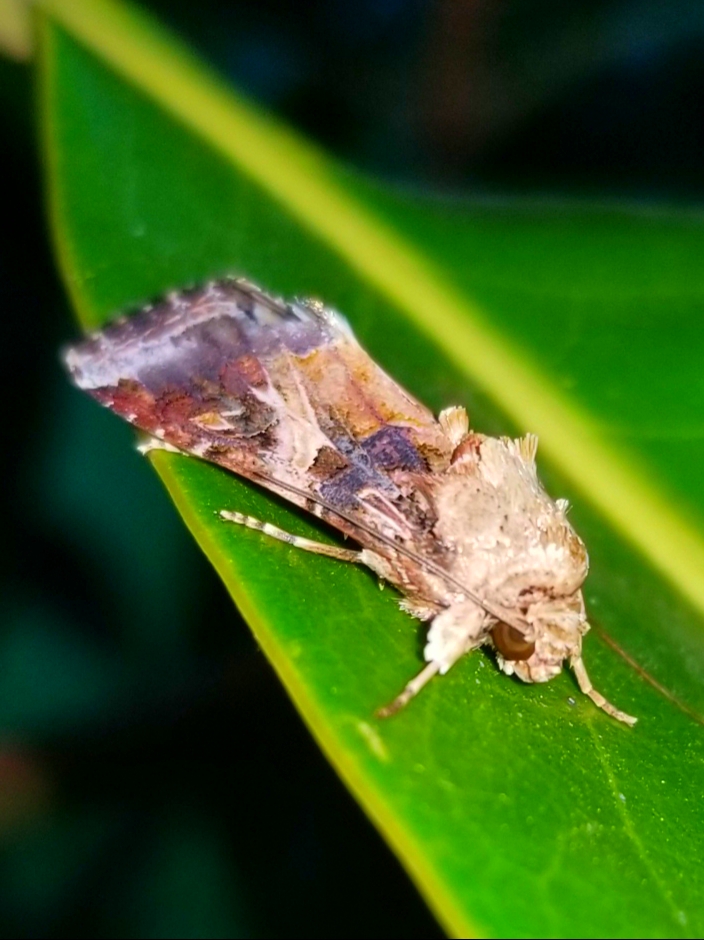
point(550, 630)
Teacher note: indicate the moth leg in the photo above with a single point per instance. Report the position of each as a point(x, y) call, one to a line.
point(412, 688)
point(453, 633)
point(586, 686)
point(318, 548)
point(419, 609)
point(148, 442)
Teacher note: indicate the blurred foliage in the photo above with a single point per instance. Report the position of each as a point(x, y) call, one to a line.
point(137, 794)
point(590, 96)
point(15, 29)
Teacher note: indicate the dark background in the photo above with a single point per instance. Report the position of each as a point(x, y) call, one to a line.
point(154, 779)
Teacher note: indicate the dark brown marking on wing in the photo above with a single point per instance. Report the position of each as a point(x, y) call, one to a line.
point(327, 463)
point(419, 504)
point(369, 460)
point(391, 448)
point(343, 490)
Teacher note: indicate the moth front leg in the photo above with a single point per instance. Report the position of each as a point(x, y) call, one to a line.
point(586, 686)
point(453, 633)
point(149, 442)
point(308, 545)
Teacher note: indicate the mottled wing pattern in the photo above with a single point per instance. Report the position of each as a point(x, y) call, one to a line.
point(280, 393)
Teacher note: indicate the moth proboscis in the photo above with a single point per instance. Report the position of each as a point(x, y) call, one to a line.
point(283, 394)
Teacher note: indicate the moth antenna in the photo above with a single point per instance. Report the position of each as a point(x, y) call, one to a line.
point(455, 423)
point(586, 686)
point(413, 688)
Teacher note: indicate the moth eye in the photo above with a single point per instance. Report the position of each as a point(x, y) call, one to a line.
point(511, 643)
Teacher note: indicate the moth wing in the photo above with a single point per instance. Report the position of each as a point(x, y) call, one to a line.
point(280, 393)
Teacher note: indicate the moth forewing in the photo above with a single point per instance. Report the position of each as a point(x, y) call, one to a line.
point(282, 394)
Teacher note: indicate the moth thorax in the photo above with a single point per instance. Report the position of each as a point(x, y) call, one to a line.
point(511, 643)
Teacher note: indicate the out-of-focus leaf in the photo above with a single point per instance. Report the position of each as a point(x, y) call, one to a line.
point(15, 29)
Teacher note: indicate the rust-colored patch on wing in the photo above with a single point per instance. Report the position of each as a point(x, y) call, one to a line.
point(361, 398)
point(277, 391)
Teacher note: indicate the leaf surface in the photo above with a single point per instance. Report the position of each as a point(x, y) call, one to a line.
point(517, 810)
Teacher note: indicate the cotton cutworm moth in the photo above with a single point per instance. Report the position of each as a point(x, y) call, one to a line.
point(283, 394)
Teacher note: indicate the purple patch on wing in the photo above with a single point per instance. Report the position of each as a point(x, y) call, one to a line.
point(188, 338)
point(391, 449)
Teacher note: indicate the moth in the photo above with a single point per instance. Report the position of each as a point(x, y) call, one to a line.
point(282, 394)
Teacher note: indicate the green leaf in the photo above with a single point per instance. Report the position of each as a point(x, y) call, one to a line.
point(517, 810)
